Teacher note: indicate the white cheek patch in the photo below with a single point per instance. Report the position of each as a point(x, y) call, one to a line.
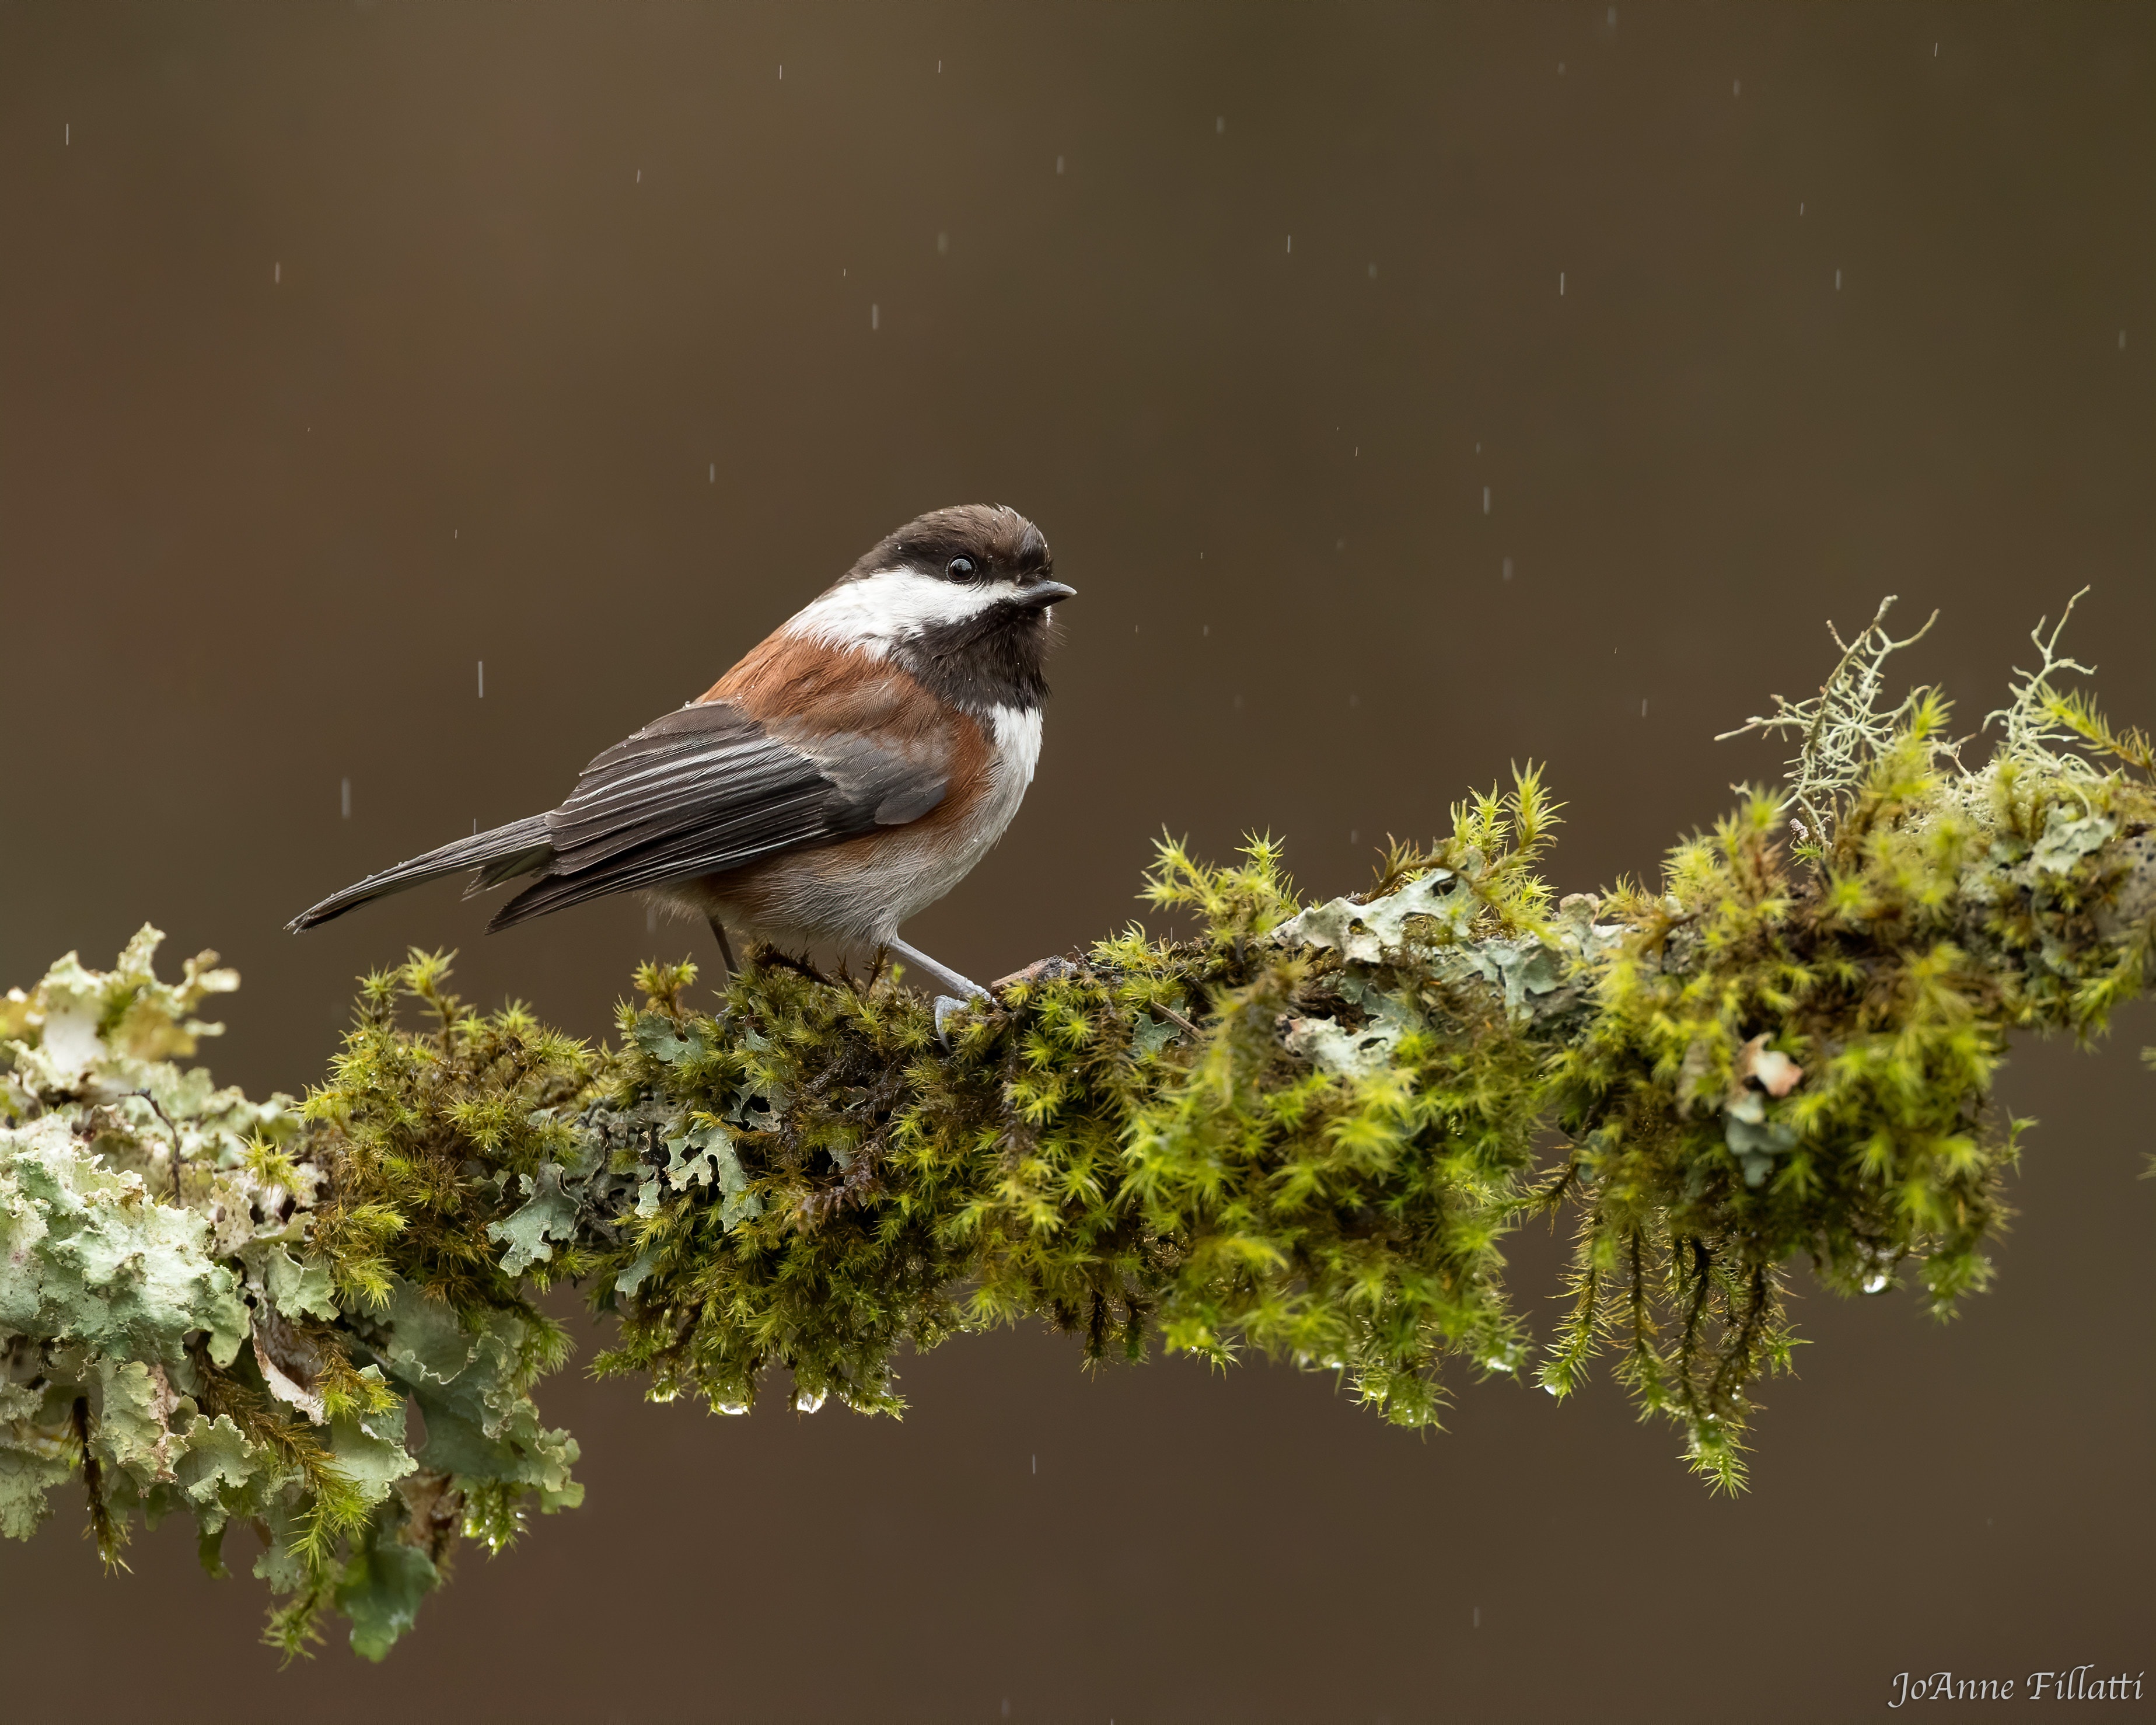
point(890, 606)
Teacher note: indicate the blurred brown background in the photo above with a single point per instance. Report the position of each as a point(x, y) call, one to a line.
point(343, 348)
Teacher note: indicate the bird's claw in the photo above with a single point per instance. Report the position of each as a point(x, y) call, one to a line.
point(947, 1004)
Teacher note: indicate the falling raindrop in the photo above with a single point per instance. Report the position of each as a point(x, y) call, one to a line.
point(1059, 164)
point(1560, 284)
point(1220, 124)
point(1935, 51)
point(482, 680)
point(651, 919)
point(1643, 709)
point(1478, 1617)
point(1206, 630)
point(67, 135)
point(639, 176)
point(1509, 568)
point(1560, 68)
point(347, 799)
point(1801, 209)
point(876, 317)
point(1354, 835)
point(1837, 281)
point(1485, 499)
point(2122, 340)
point(939, 68)
point(1736, 87)
point(1354, 700)
point(1373, 272)
point(781, 74)
point(1613, 17)
point(276, 273)
point(714, 479)
point(1036, 1468)
point(1238, 703)
point(1291, 242)
point(942, 243)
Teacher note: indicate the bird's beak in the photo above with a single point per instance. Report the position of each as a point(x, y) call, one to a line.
point(1044, 593)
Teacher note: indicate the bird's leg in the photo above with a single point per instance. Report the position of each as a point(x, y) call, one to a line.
point(944, 976)
point(726, 965)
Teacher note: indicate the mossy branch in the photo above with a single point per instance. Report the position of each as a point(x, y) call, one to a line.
point(1301, 1128)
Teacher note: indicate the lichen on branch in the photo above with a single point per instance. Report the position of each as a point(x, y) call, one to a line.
point(1300, 1129)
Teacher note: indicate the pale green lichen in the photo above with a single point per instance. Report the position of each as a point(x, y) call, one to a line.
point(171, 1330)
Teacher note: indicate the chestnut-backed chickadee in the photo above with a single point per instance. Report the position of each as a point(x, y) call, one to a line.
point(845, 775)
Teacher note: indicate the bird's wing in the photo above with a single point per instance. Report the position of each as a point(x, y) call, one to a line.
point(708, 788)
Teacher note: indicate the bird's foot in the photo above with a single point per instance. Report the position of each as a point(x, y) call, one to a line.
point(946, 1006)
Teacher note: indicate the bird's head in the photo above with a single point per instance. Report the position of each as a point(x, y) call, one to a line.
point(963, 597)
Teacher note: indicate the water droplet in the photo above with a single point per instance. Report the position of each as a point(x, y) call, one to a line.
point(1875, 1283)
point(805, 1403)
point(730, 1408)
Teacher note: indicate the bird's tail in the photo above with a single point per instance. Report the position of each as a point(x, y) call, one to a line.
point(523, 847)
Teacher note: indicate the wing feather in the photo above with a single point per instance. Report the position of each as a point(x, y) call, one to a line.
point(709, 789)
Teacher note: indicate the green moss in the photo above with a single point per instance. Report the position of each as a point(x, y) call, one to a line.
point(1303, 1129)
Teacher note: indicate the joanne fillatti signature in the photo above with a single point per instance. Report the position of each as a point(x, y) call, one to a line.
point(2079, 1683)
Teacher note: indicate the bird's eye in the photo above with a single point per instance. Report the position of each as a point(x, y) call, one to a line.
point(959, 569)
